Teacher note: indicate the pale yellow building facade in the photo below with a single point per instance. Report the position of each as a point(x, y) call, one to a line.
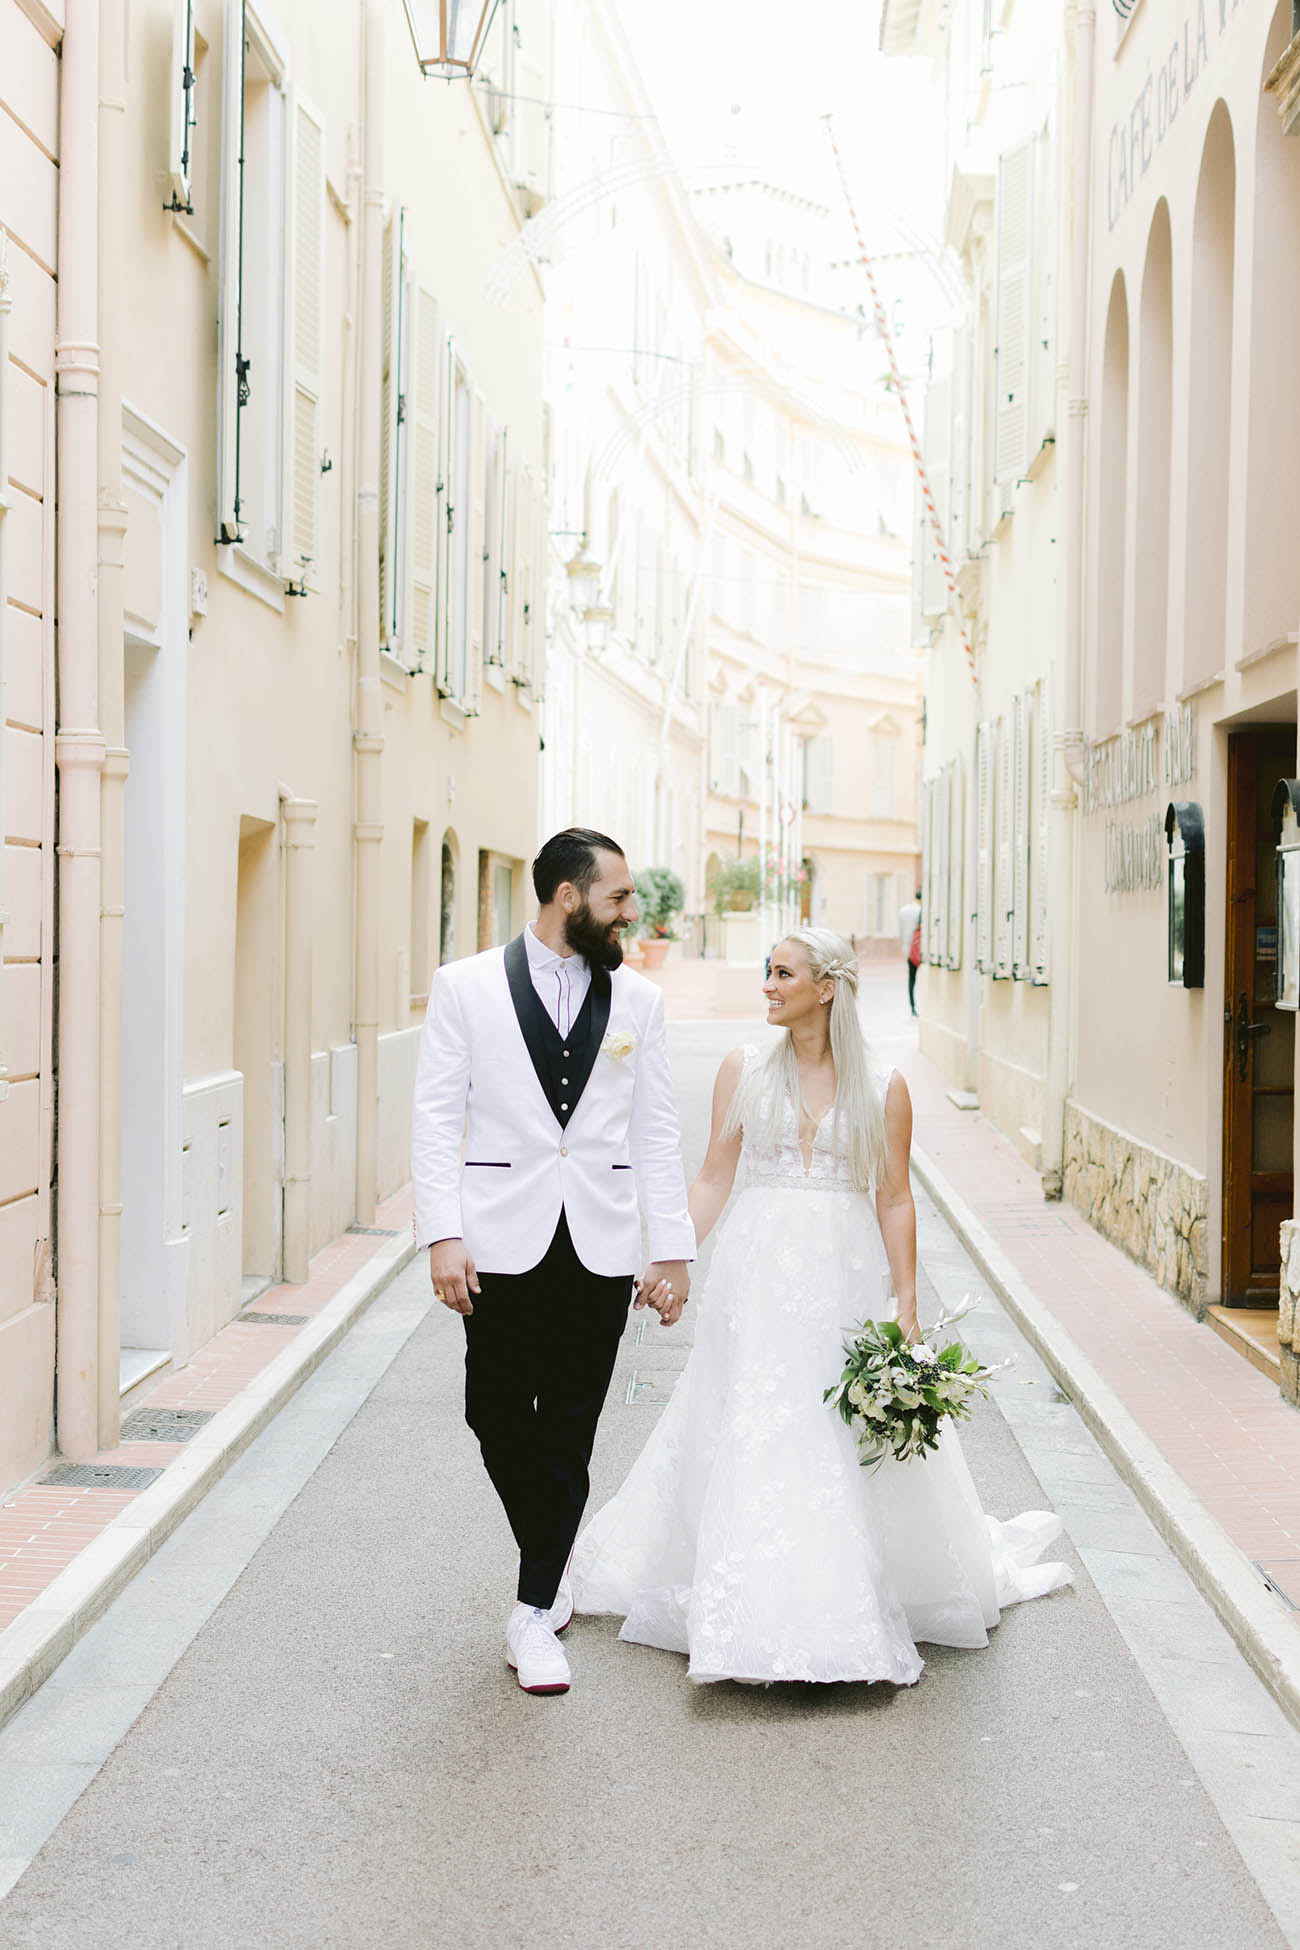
point(301, 546)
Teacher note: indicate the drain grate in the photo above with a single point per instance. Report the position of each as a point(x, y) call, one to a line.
point(98, 1476)
point(164, 1424)
point(278, 1320)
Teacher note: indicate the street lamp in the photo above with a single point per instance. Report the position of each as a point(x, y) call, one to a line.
point(597, 620)
point(449, 34)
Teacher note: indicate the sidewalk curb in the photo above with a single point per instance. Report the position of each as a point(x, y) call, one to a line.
point(46, 1632)
point(1263, 1632)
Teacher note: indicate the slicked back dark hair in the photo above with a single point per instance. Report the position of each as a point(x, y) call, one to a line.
point(571, 855)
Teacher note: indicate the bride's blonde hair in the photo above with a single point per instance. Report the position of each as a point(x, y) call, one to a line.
point(766, 1086)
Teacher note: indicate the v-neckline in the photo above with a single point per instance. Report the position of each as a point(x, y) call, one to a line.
point(807, 1163)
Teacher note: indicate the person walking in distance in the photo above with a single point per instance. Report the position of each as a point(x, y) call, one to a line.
point(549, 1059)
point(909, 940)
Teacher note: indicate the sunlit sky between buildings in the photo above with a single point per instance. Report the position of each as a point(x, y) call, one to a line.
point(746, 83)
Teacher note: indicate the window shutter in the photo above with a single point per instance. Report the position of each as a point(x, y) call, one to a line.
point(499, 545)
point(524, 506)
point(953, 893)
point(531, 122)
point(959, 473)
point(1042, 773)
point(1020, 839)
point(447, 516)
point(1042, 387)
point(510, 619)
point(425, 509)
point(392, 433)
point(477, 545)
point(938, 432)
point(232, 373)
point(304, 331)
point(179, 148)
point(939, 896)
point(1015, 299)
point(1003, 879)
point(984, 849)
point(537, 603)
point(932, 879)
point(819, 777)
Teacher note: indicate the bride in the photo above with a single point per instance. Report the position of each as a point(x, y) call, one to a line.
point(747, 1535)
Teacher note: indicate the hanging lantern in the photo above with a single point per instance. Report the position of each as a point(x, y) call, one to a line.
point(449, 34)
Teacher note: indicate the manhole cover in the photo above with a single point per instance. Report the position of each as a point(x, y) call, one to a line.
point(278, 1320)
point(164, 1424)
point(98, 1476)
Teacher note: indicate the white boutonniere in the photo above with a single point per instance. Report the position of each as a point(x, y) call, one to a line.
point(618, 1044)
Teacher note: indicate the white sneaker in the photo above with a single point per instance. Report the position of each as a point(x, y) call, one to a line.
point(534, 1652)
point(561, 1612)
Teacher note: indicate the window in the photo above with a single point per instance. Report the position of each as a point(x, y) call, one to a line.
point(394, 438)
point(494, 503)
point(883, 754)
point(421, 911)
point(184, 117)
point(819, 774)
point(272, 263)
point(454, 522)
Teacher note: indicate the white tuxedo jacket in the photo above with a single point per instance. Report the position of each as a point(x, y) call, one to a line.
point(491, 1163)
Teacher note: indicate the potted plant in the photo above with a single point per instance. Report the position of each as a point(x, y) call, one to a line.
point(737, 886)
point(660, 896)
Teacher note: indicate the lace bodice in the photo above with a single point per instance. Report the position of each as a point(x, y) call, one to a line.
point(828, 1170)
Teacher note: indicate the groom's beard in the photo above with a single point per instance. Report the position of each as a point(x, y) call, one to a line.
point(598, 944)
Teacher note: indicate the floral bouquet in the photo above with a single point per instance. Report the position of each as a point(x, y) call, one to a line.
point(894, 1394)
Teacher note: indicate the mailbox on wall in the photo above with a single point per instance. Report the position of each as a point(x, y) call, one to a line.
point(1185, 832)
point(1286, 825)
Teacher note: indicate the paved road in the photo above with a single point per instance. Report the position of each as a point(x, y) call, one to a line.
point(296, 1729)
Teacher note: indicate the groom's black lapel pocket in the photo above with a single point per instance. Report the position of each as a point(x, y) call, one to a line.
point(487, 1164)
point(620, 1167)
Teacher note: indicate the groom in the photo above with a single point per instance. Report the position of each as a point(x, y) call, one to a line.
point(548, 1058)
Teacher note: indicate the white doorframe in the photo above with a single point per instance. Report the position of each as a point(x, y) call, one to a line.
point(155, 1241)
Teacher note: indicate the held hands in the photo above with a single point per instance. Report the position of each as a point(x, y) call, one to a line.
point(452, 1271)
point(666, 1286)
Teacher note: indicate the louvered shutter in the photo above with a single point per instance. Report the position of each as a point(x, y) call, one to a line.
point(1020, 766)
point(959, 480)
point(477, 544)
point(819, 786)
point(445, 524)
point(938, 433)
point(422, 552)
point(510, 563)
point(943, 920)
point(537, 603)
point(530, 134)
point(524, 507)
point(1015, 310)
point(1046, 267)
point(984, 849)
point(1042, 811)
point(230, 250)
point(954, 892)
point(304, 332)
point(179, 147)
point(393, 437)
point(929, 793)
point(1003, 877)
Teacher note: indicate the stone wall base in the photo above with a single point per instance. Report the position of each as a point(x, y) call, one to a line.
point(1142, 1201)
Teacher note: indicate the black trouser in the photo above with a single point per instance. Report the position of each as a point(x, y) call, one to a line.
point(911, 986)
point(539, 1352)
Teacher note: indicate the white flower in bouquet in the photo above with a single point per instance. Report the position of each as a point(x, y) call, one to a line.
point(895, 1396)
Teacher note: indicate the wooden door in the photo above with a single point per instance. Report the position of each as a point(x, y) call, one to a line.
point(1258, 1039)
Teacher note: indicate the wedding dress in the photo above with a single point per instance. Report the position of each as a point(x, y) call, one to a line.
point(747, 1535)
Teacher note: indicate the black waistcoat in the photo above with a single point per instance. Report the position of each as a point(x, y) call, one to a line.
point(563, 1063)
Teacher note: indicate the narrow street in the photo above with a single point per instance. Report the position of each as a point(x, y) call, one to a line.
point(296, 1729)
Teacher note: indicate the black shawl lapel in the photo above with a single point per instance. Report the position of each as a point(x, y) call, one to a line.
point(528, 1008)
